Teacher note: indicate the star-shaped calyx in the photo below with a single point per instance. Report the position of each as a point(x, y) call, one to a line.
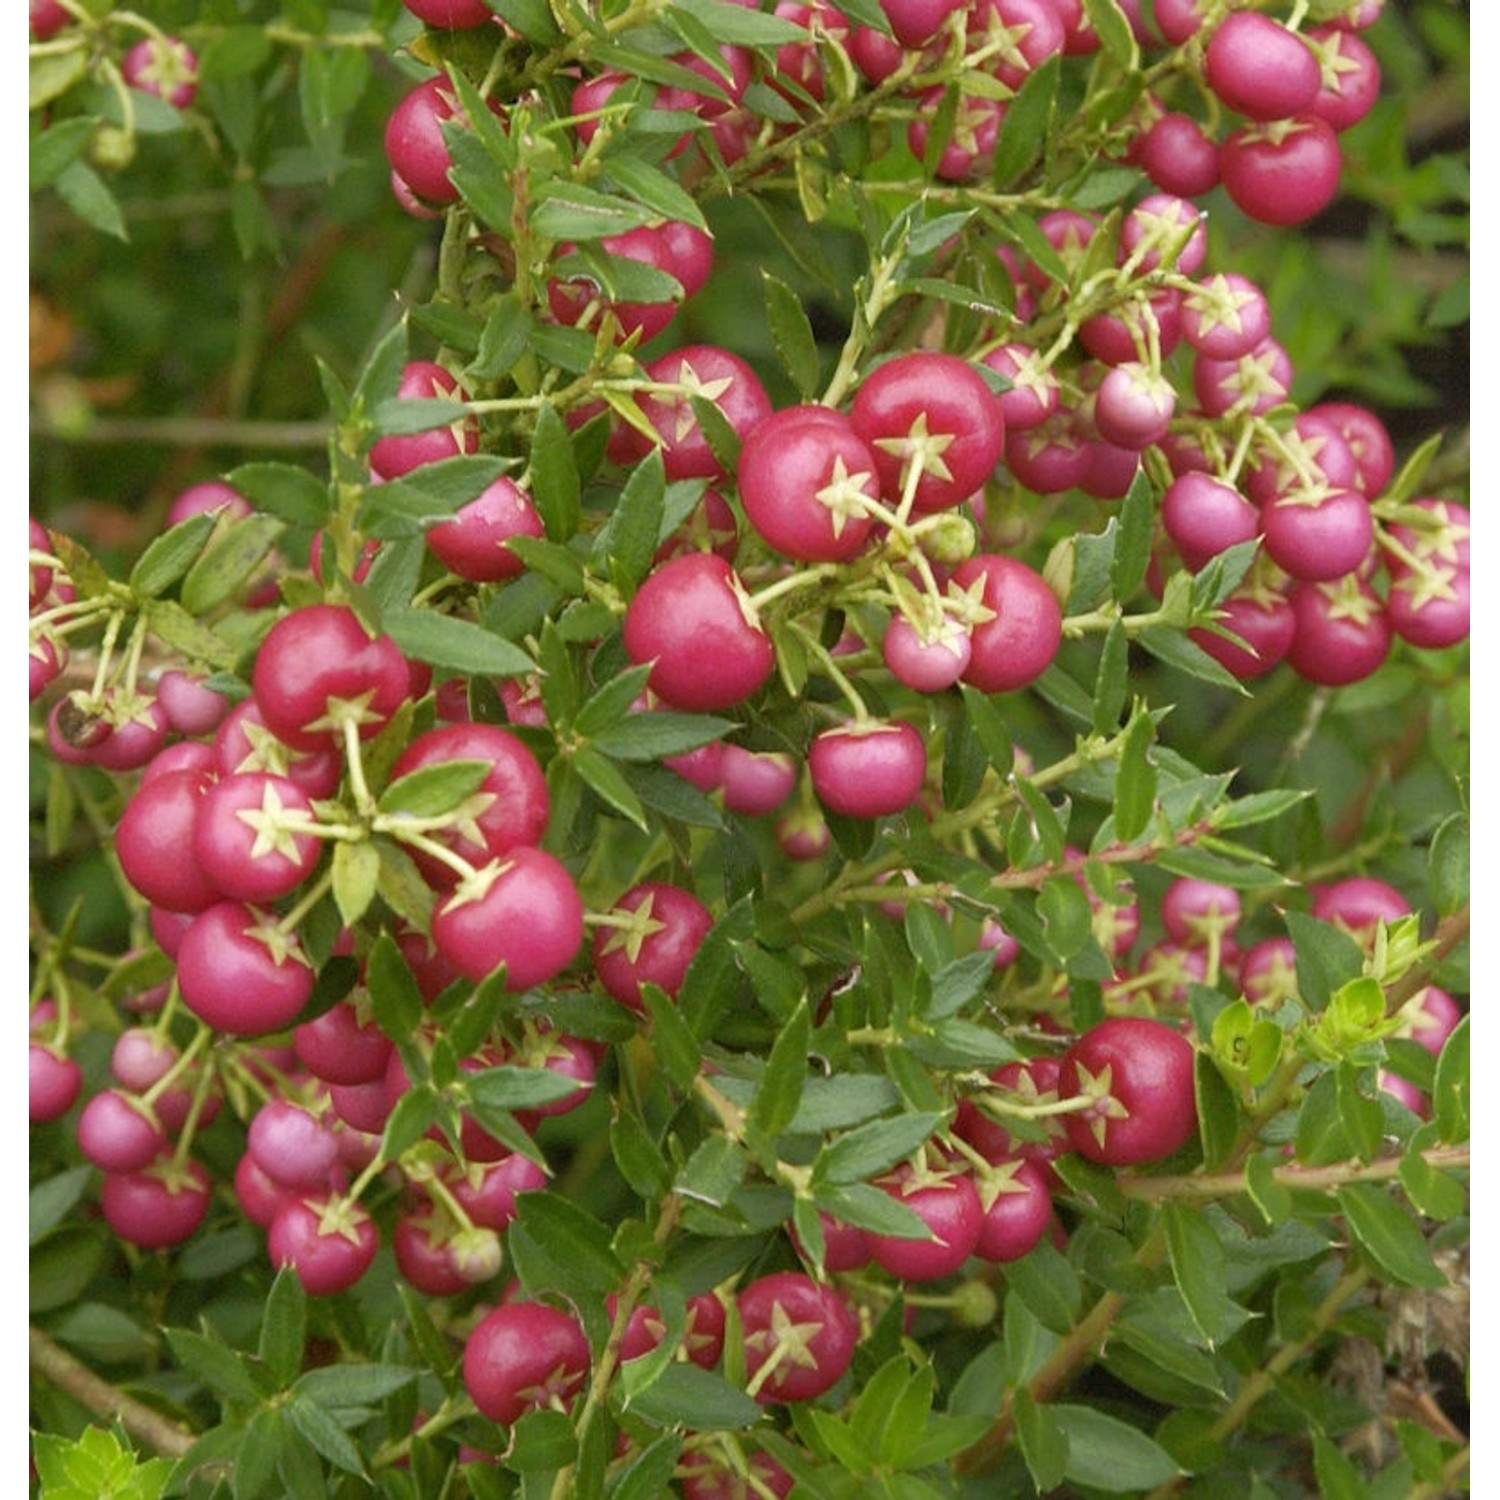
point(1104, 1107)
point(920, 449)
point(692, 384)
point(271, 824)
point(846, 496)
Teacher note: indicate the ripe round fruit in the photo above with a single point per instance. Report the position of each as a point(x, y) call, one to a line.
point(522, 911)
point(948, 1203)
point(932, 423)
point(1260, 68)
point(472, 544)
point(318, 669)
point(1141, 1073)
point(673, 923)
point(523, 1356)
point(805, 1332)
point(1018, 644)
point(866, 769)
point(329, 1242)
point(239, 973)
point(692, 620)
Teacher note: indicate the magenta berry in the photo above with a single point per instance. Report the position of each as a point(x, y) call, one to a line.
point(521, 1356)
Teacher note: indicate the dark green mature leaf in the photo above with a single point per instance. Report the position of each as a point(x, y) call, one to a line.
point(219, 1368)
point(1048, 1285)
point(627, 543)
point(322, 1433)
point(1388, 1235)
point(170, 555)
point(606, 779)
point(351, 1384)
point(1197, 1261)
point(989, 729)
point(574, 1239)
point(1027, 124)
point(712, 1172)
point(1450, 1086)
point(1110, 1454)
point(553, 477)
point(870, 1149)
point(646, 737)
point(431, 493)
point(684, 1396)
point(672, 1041)
point(1112, 680)
point(454, 645)
point(780, 1089)
point(434, 790)
point(53, 1199)
point(393, 990)
point(513, 1087)
point(84, 191)
point(1327, 957)
point(283, 1328)
point(792, 334)
point(1448, 864)
point(1132, 552)
point(283, 490)
point(225, 566)
point(1044, 1445)
point(1176, 650)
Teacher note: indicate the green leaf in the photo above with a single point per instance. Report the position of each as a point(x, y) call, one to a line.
point(434, 790)
point(1132, 553)
point(283, 490)
point(283, 1328)
point(989, 729)
point(1448, 864)
point(1388, 1235)
point(219, 1368)
point(1326, 958)
point(1115, 35)
point(1112, 680)
point(686, 1397)
point(322, 1433)
point(1026, 127)
point(1135, 779)
point(1049, 1287)
point(712, 1172)
point(1110, 1454)
point(84, 191)
point(53, 1199)
point(1197, 1261)
point(574, 1239)
point(393, 990)
point(780, 1089)
point(454, 645)
point(1067, 917)
point(554, 481)
point(662, 732)
point(430, 493)
point(51, 75)
point(1450, 1086)
point(605, 778)
point(628, 541)
point(870, 1149)
point(653, 188)
point(353, 1384)
point(356, 874)
point(672, 1042)
point(867, 1207)
point(226, 565)
point(1176, 650)
point(1432, 1193)
point(60, 144)
point(513, 1087)
point(1044, 1445)
point(792, 334)
point(1359, 1115)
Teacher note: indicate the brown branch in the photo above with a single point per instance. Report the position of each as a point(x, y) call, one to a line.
point(159, 1433)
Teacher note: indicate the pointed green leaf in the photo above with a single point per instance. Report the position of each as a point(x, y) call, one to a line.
point(780, 1089)
point(1044, 1445)
point(1197, 1261)
point(1110, 1454)
point(283, 1328)
point(792, 334)
point(1450, 1086)
point(870, 1149)
point(454, 645)
point(1388, 1235)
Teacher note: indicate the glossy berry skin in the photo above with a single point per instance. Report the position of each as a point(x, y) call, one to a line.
point(522, 911)
point(1281, 173)
point(582, 301)
point(54, 1082)
point(157, 1207)
point(1203, 516)
point(1179, 157)
point(1146, 1108)
point(238, 974)
point(487, 1191)
point(1343, 632)
point(1319, 538)
point(414, 143)
point(292, 1145)
point(451, 15)
point(472, 544)
point(516, 804)
point(928, 663)
point(692, 620)
point(154, 842)
point(808, 1330)
point(705, 372)
point(1259, 68)
point(675, 922)
point(119, 1134)
point(242, 840)
point(318, 669)
point(1017, 1213)
point(337, 1047)
point(805, 479)
point(867, 770)
point(522, 1356)
point(330, 1243)
point(1430, 609)
point(948, 1203)
point(1018, 644)
point(931, 422)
